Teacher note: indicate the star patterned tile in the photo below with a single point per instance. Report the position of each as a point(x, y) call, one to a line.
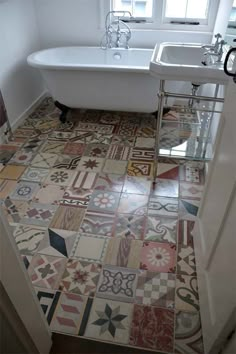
point(90, 164)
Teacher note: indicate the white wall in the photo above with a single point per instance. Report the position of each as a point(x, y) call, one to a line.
point(77, 22)
point(20, 84)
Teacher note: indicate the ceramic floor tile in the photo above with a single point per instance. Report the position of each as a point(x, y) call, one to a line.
point(133, 204)
point(127, 129)
point(59, 136)
point(33, 144)
point(168, 171)
point(85, 180)
point(24, 191)
point(156, 289)
point(166, 188)
point(67, 218)
point(137, 185)
point(161, 229)
point(188, 209)
point(6, 186)
point(186, 298)
point(38, 214)
point(109, 182)
point(48, 300)
point(25, 133)
point(58, 243)
point(152, 328)
point(117, 284)
point(60, 177)
point(76, 197)
point(104, 202)
point(158, 257)
point(191, 174)
point(90, 164)
point(6, 155)
point(146, 132)
point(191, 191)
point(26, 260)
point(98, 224)
point(99, 128)
point(143, 154)
point(28, 237)
point(90, 248)
point(1, 167)
point(49, 194)
point(96, 150)
point(14, 210)
point(68, 162)
point(161, 206)
point(12, 172)
point(123, 252)
point(186, 264)
point(80, 277)
point(185, 236)
point(68, 314)
point(46, 271)
point(109, 321)
point(145, 142)
point(130, 226)
point(89, 137)
point(110, 118)
point(140, 168)
point(119, 152)
point(74, 149)
point(188, 333)
point(32, 174)
point(123, 140)
point(44, 160)
point(115, 167)
point(22, 157)
point(51, 147)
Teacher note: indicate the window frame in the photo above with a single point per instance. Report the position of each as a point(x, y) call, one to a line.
point(158, 21)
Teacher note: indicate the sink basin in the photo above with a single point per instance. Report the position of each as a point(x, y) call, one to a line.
point(183, 62)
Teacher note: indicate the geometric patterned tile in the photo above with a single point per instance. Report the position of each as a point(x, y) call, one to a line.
point(104, 201)
point(50, 194)
point(109, 321)
point(119, 152)
point(39, 214)
point(163, 206)
point(158, 257)
point(130, 226)
point(187, 298)
point(12, 172)
point(99, 128)
point(188, 209)
point(61, 177)
point(28, 237)
point(80, 277)
point(168, 171)
point(74, 149)
point(161, 229)
point(59, 136)
point(68, 315)
point(123, 140)
point(109, 182)
point(152, 328)
point(133, 204)
point(96, 150)
point(48, 300)
point(123, 252)
point(67, 218)
point(156, 289)
point(191, 191)
point(6, 186)
point(89, 248)
point(14, 210)
point(77, 197)
point(5, 156)
point(188, 334)
point(67, 162)
point(46, 271)
point(33, 144)
point(143, 154)
point(57, 243)
point(191, 174)
point(35, 174)
point(85, 180)
point(51, 147)
point(166, 188)
point(140, 168)
point(98, 224)
point(186, 260)
point(24, 190)
point(117, 284)
point(127, 129)
point(137, 185)
point(185, 236)
point(44, 160)
point(26, 260)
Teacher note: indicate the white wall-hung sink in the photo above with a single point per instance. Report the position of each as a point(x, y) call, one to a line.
point(183, 62)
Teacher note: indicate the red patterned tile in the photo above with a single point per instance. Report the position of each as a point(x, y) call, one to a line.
point(158, 257)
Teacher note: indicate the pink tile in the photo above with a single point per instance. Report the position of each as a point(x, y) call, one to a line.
point(158, 257)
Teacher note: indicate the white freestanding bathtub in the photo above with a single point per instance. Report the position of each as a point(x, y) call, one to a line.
point(91, 77)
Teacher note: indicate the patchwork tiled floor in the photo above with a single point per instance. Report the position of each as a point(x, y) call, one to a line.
point(110, 257)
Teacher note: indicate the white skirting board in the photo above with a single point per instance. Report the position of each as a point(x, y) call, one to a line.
point(24, 115)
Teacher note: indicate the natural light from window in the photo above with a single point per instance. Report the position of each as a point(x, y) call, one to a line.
point(138, 8)
point(187, 9)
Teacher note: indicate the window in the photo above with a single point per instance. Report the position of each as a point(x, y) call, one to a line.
point(187, 10)
point(232, 18)
point(138, 8)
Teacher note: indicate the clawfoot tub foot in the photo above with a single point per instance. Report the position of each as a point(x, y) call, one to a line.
point(64, 110)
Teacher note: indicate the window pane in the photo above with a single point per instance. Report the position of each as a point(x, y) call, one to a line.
point(176, 8)
point(122, 5)
point(197, 9)
point(187, 8)
point(138, 8)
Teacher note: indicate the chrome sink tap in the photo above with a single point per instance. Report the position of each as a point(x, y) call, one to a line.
point(215, 50)
point(214, 47)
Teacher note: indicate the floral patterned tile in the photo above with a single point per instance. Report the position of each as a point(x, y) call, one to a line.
point(46, 271)
point(90, 164)
point(188, 333)
point(12, 172)
point(44, 160)
point(24, 191)
point(186, 264)
point(133, 204)
point(162, 206)
point(49, 194)
point(186, 298)
point(22, 157)
point(28, 237)
point(104, 201)
point(109, 321)
point(109, 182)
point(185, 236)
point(89, 248)
point(74, 149)
point(77, 197)
point(130, 226)
point(98, 224)
point(67, 218)
point(166, 188)
point(80, 277)
point(137, 185)
point(35, 174)
point(161, 229)
point(156, 289)
point(85, 180)
point(61, 177)
point(115, 167)
point(123, 252)
point(96, 150)
point(168, 171)
point(140, 168)
point(123, 140)
point(68, 162)
point(117, 284)
point(119, 152)
point(152, 328)
point(158, 257)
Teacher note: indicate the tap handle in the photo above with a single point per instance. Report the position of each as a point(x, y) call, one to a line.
point(218, 36)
